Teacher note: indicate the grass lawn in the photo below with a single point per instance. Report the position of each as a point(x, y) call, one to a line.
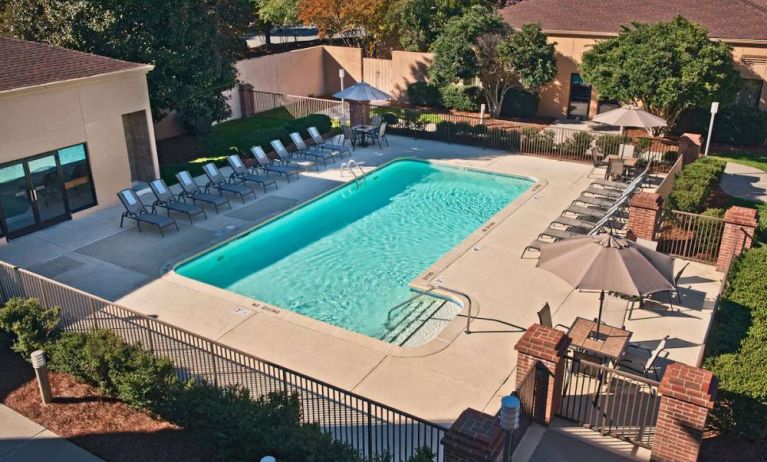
point(423, 118)
point(227, 134)
point(752, 159)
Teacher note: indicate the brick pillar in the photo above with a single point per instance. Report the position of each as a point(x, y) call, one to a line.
point(687, 394)
point(547, 347)
point(690, 147)
point(247, 102)
point(734, 240)
point(359, 112)
point(644, 215)
point(474, 437)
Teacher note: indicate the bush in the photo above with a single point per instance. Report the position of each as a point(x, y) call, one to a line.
point(537, 141)
point(125, 371)
point(520, 103)
point(423, 94)
point(390, 118)
point(610, 145)
point(694, 184)
point(30, 324)
point(735, 350)
point(577, 144)
point(735, 125)
point(461, 98)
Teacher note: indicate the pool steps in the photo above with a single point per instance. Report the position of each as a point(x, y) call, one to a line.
point(418, 313)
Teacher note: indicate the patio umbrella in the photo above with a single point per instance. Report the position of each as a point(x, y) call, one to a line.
point(630, 116)
point(362, 91)
point(606, 263)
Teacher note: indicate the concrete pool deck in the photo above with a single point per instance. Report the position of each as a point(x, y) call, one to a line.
point(471, 370)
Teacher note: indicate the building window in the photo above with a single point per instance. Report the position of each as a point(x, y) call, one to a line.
point(580, 97)
point(76, 176)
point(607, 105)
point(750, 93)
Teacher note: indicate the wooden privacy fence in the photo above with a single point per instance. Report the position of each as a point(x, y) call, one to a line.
point(691, 236)
point(374, 429)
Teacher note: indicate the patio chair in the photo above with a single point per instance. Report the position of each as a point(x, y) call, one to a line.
point(375, 121)
point(614, 169)
point(286, 158)
point(379, 135)
point(350, 135)
point(305, 151)
point(544, 318)
point(642, 360)
point(571, 222)
point(336, 148)
point(266, 164)
point(627, 151)
point(622, 185)
point(135, 210)
point(240, 172)
point(168, 201)
point(597, 160)
point(217, 181)
point(190, 190)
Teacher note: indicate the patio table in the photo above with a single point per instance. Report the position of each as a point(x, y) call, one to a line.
point(363, 131)
point(611, 348)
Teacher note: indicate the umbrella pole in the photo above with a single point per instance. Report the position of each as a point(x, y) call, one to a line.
point(597, 335)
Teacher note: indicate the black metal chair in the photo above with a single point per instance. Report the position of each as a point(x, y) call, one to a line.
point(135, 210)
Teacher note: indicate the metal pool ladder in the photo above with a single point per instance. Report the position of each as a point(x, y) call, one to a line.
point(359, 175)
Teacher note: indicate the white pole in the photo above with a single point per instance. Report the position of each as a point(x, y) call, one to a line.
point(482, 114)
point(341, 75)
point(714, 110)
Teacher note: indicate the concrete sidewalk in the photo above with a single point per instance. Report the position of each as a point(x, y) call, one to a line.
point(22, 440)
point(745, 182)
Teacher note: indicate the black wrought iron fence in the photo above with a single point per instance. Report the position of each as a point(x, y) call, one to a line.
point(610, 401)
point(374, 429)
point(691, 236)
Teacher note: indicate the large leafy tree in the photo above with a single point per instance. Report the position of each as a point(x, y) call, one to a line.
point(480, 44)
point(193, 44)
point(270, 13)
point(666, 67)
point(356, 22)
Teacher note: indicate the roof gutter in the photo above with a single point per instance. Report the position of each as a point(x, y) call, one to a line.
point(594, 34)
point(144, 68)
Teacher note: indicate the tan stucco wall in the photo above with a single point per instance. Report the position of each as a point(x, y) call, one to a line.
point(570, 49)
point(43, 119)
point(336, 58)
point(408, 67)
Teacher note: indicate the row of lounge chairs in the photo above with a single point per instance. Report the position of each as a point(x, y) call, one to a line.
point(285, 164)
point(600, 206)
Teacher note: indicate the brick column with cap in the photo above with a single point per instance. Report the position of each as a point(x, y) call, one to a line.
point(247, 100)
point(644, 215)
point(547, 347)
point(687, 394)
point(690, 147)
point(473, 437)
point(739, 224)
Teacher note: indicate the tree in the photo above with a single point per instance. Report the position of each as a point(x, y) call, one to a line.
point(271, 13)
point(193, 44)
point(666, 67)
point(357, 22)
point(416, 24)
point(479, 44)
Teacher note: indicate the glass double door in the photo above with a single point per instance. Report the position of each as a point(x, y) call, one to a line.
point(32, 195)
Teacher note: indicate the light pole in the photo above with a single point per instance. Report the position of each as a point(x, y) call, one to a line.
point(341, 75)
point(714, 110)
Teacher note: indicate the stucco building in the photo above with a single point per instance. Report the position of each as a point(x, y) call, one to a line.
point(576, 25)
point(75, 129)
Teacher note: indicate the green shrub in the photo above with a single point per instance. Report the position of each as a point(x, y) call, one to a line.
point(735, 125)
point(610, 145)
point(537, 141)
point(423, 94)
point(390, 118)
point(461, 98)
point(735, 350)
point(577, 144)
point(520, 103)
point(125, 371)
point(30, 324)
point(694, 184)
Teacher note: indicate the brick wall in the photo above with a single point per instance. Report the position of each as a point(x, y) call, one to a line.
point(644, 215)
point(734, 240)
point(690, 147)
point(474, 437)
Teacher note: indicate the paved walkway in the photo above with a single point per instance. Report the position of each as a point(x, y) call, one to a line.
point(22, 440)
point(744, 181)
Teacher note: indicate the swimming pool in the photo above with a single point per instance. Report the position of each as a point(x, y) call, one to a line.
point(347, 257)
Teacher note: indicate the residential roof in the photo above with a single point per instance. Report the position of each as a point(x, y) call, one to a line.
point(28, 64)
point(725, 19)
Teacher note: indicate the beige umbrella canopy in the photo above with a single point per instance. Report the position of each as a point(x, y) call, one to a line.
point(606, 263)
point(630, 116)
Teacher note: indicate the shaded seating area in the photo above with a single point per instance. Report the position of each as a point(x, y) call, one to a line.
point(135, 210)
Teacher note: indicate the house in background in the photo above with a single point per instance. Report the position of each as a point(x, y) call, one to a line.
point(576, 25)
point(75, 129)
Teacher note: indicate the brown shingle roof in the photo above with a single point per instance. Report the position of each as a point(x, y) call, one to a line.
point(725, 19)
point(28, 64)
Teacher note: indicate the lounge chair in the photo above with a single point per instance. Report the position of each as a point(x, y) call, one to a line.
point(286, 158)
point(240, 172)
point(544, 319)
point(168, 201)
point(596, 159)
point(338, 149)
point(135, 210)
point(615, 169)
point(571, 222)
point(379, 135)
point(190, 189)
point(266, 164)
point(217, 181)
point(305, 151)
point(642, 360)
point(594, 201)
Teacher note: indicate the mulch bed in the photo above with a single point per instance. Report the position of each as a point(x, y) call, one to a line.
point(717, 448)
point(178, 150)
point(106, 427)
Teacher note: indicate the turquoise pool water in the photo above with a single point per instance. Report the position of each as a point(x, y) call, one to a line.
point(348, 256)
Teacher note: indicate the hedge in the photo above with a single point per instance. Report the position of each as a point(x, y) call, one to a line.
point(520, 103)
point(694, 184)
point(736, 351)
point(461, 98)
point(735, 125)
point(424, 94)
